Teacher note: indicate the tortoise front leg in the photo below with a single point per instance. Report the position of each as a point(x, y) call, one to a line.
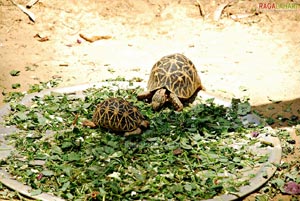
point(159, 99)
point(176, 102)
point(144, 95)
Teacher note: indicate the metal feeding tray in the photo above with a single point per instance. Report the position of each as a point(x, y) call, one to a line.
point(262, 174)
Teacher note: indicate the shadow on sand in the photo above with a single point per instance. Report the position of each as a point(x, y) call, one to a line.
point(280, 114)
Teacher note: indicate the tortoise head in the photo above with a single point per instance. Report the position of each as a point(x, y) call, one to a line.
point(159, 98)
point(145, 123)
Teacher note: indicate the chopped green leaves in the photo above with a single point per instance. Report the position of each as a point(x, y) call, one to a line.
point(241, 107)
point(13, 96)
point(183, 155)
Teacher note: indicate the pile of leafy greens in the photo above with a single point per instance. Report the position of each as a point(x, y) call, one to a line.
point(182, 155)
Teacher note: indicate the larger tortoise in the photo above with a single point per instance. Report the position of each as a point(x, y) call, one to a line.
point(173, 78)
point(118, 115)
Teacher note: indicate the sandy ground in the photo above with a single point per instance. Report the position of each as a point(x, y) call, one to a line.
point(256, 56)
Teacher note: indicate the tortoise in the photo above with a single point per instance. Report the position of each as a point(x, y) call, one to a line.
point(174, 79)
point(118, 115)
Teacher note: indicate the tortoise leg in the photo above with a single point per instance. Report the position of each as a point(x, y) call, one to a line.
point(159, 98)
point(176, 102)
point(144, 95)
point(89, 124)
point(134, 132)
point(145, 123)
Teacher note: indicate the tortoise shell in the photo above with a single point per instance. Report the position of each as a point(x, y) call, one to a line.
point(177, 74)
point(118, 115)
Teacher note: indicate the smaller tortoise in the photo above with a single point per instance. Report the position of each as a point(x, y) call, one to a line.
point(118, 115)
point(173, 78)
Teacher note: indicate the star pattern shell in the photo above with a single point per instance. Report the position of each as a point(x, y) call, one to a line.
point(176, 73)
point(117, 115)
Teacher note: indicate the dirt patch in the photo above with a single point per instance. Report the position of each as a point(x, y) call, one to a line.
point(255, 55)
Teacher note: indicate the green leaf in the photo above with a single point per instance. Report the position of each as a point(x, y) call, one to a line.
point(66, 145)
point(230, 189)
point(244, 108)
point(35, 192)
point(263, 197)
point(67, 170)
point(197, 137)
point(55, 158)
point(177, 188)
point(42, 120)
point(47, 172)
point(56, 150)
point(116, 154)
point(14, 72)
point(278, 182)
point(73, 156)
point(16, 85)
point(86, 105)
point(184, 143)
point(21, 116)
point(237, 159)
point(65, 186)
point(188, 187)
point(270, 121)
point(69, 196)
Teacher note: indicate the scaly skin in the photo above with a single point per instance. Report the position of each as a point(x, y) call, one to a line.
point(134, 132)
point(137, 131)
point(144, 95)
point(159, 98)
point(89, 124)
point(176, 102)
